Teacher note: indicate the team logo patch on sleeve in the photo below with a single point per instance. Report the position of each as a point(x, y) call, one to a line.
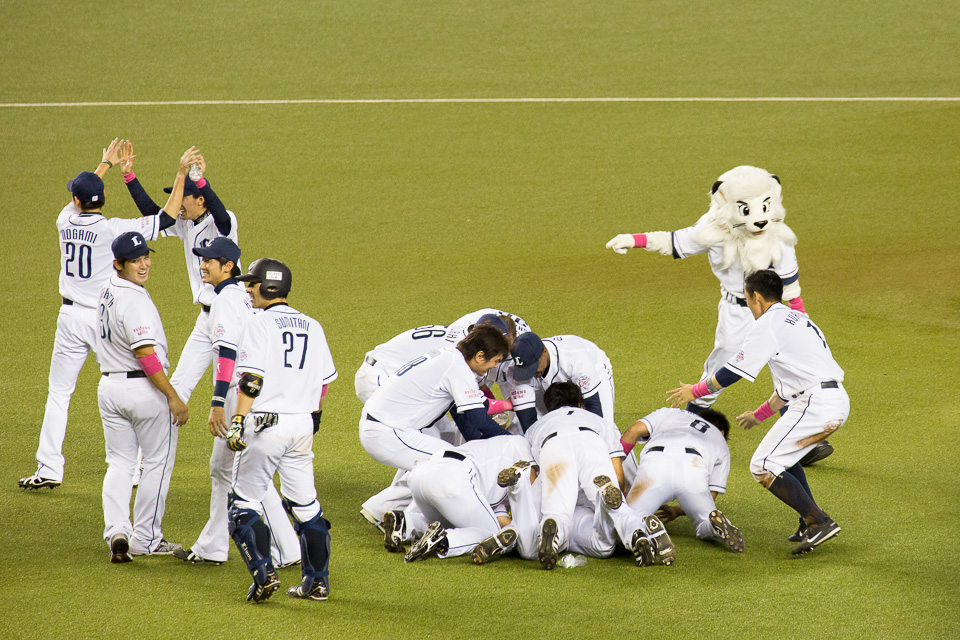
point(242, 356)
point(219, 331)
point(142, 330)
point(739, 356)
point(473, 393)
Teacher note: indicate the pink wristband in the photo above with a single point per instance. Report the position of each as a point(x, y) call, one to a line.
point(201, 183)
point(225, 369)
point(627, 447)
point(763, 411)
point(150, 364)
point(797, 304)
point(499, 406)
point(129, 177)
point(700, 389)
point(639, 240)
point(323, 391)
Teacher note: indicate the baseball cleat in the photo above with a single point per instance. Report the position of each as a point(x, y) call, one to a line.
point(663, 550)
point(797, 535)
point(36, 482)
point(163, 549)
point(494, 546)
point(725, 530)
point(188, 555)
point(261, 592)
point(509, 476)
point(642, 549)
point(820, 451)
point(549, 544)
point(394, 526)
point(120, 548)
point(310, 589)
point(433, 542)
point(815, 535)
point(369, 517)
point(609, 492)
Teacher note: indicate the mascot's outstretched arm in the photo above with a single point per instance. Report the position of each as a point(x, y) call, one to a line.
point(658, 241)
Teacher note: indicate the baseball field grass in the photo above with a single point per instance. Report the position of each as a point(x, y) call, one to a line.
point(393, 215)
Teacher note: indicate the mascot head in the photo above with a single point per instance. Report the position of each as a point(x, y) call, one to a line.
point(746, 217)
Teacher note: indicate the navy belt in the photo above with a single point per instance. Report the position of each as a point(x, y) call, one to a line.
point(829, 384)
point(454, 455)
point(67, 301)
point(659, 448)
point(372, 419)
point(654, 449)
point(205, 307)
point(130, 374)
point(732, 299)
point(544, 441)
point(370, 361)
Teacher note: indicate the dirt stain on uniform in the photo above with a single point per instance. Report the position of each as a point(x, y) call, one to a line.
point(554, 473)
point(639, 486)
point(828, 429)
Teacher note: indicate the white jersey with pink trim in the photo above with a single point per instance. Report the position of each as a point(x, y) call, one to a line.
point(458, 328)
point(229, 313)
point(731, 278)
point(289, 350)
point(793, 346)
point(423, 390)
point(86, 257)
point(401, 349)
point(196, 234)
point(128, 320)
point(676, 427)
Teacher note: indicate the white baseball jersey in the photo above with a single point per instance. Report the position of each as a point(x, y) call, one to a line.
point(229, 313)
point(731, 278)
point(86, 257)
point(289, 350)
point(793, 346)
point(460, 327)
point(570, 420)
point(685, 431)
point(128, 320)
point(423, 389)
point(196, 234)
point(572, 359)
point(401, 349)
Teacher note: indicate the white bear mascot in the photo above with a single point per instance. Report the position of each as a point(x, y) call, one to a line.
point(742, 232)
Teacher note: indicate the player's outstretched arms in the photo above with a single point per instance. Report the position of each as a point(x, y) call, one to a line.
point(172, 208)
point(750, 419)
point(110, 157)
point(658, 241)
point(680, 396)
point(212, 202)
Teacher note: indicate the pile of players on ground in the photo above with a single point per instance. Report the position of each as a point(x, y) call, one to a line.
point(486, 476)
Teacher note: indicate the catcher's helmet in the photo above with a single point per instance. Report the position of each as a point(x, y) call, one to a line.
point(274, 277)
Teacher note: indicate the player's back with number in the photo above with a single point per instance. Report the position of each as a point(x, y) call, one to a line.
point(289, 350)
point(407, 346)
point(686, 429)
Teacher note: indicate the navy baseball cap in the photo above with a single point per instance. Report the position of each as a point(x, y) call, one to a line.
point(526, 353)
point(190, 188)
point(220, 248)
point(129, 246)
point(86, 187)
point(493, 320)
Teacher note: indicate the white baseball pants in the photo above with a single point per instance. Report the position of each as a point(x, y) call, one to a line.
point(135, 414)
point(398, 448)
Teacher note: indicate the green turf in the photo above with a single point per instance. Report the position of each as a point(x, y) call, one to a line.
point(397, 215)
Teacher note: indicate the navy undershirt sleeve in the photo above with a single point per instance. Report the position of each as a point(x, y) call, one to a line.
point(592, 404)
point(221, 387)
point(726, 377)
point(219, 212)
point(527, 417)
point(475, 424)
point(146, 205)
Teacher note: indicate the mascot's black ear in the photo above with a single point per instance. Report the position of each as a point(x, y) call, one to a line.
point(775, 177)
point(716, 185)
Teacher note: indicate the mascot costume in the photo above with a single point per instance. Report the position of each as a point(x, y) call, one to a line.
point(742, 232)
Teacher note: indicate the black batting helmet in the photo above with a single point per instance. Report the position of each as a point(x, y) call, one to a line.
point(274, 277)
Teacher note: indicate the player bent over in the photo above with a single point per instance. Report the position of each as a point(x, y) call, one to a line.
point(138, 405)
point(686, 459)
point(805, 375)
point(86, 265)
point(285, 366)
point(229, 312)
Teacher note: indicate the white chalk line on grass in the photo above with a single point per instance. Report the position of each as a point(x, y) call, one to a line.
point(165, 103)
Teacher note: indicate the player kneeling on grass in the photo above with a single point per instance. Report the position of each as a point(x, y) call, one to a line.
point(285, 366)
point(685, 458)
point(138, 405)
point(580, 454)
point(805, 375)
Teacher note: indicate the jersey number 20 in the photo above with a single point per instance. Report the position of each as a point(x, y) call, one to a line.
point(81, 255)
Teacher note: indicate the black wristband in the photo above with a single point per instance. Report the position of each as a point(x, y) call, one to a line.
point(316, 420)
point(106, 162)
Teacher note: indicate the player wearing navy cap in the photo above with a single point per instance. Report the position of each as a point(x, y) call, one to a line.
point(138, 405)
point(85, 265)
point(805, 375)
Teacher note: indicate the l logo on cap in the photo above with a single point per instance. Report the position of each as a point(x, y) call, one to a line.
point(136, 241)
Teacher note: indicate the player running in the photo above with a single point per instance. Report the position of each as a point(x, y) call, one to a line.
point(805, 375)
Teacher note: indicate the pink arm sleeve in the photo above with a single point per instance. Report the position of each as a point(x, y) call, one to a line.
point(150, 364)
point(323, 391)
point(627, 447)
point(499, 406)
point(797, 304)
point(640, 240)
point(225, 369)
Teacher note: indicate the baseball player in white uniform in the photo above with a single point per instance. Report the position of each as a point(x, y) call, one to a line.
point(229, 312)
point(805, 375)
point(537, 364)
point(460, 327)
point(394, 420)
point(457, 499)
point(285, 367)
point(86, 263)
point(580, 452)
point(202, 218)
point(138, 405)
point(686, 459)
